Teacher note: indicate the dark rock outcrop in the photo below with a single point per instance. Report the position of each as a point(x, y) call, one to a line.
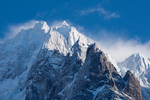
point(94, 78)
point(132, 87)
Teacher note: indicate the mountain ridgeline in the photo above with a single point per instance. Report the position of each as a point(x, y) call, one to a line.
point(59, 63)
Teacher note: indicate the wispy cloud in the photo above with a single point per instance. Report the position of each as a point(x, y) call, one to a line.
point(110, 42)
point(120, 47)
point(101, 11)
point(13, 29)
point(117, 44)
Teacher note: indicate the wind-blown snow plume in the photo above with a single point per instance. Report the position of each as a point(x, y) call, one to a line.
point(13, 29)
point(114, 43)
point(118, 45)
point(111, 42)
point(60, 63)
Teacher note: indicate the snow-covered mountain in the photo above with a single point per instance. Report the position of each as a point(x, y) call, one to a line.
point(18, 54)
point(59, 63)
point(140, 67)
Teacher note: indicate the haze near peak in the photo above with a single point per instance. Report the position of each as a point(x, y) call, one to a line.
point(118, 47)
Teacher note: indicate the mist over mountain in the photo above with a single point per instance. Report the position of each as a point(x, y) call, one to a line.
point(59, 63)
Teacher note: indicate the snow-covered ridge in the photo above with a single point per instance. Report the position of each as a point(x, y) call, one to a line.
point(17, 56)
point(40, 42)
point(42, 25)
point(63, 37)
point(20, 52)
point(137, 63)
point(140, 67)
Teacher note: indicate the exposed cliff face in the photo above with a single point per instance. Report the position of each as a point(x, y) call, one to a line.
point(132, 87)
point(59, 63)
point(42, 76)
point(93, 79)
point(140, 67)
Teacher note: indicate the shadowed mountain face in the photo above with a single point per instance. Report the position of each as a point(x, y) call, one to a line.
point(132, 87)
point(94, 79)
point(140, 67)
point(59, 63)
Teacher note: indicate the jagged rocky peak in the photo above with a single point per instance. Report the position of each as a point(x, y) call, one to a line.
point(132, 87)
point(136, 57)
point(139, 66)
point(136, 63)
point(110, 58)
point(95, 79)
point(93, 48)
point(102, 79)
point(58, 63)
point(70, 33)
point(65, 23)
point(127, 76)
point(63, 28)
point(41, 25)
point(38, 28)
point(63, 37)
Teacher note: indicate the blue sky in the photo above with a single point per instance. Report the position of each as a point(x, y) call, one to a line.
point(117, 21)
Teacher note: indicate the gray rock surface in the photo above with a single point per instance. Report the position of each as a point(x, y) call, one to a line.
point(76, 79)
point(59, 63)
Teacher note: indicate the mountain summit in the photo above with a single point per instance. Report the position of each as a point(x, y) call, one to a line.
point(140, 67)
point(59, 63)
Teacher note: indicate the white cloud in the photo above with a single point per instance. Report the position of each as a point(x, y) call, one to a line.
point(119, 47)
point(101, 11)
point(117, 44)
point(15, 28)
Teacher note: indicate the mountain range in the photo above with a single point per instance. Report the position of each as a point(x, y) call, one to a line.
point(59, 63)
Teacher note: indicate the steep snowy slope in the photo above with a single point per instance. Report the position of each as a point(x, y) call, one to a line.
point(16, 53)
point(137, 63)
point(17, 56)
point(19, 53)
point(140, 67)
point(57, 62)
